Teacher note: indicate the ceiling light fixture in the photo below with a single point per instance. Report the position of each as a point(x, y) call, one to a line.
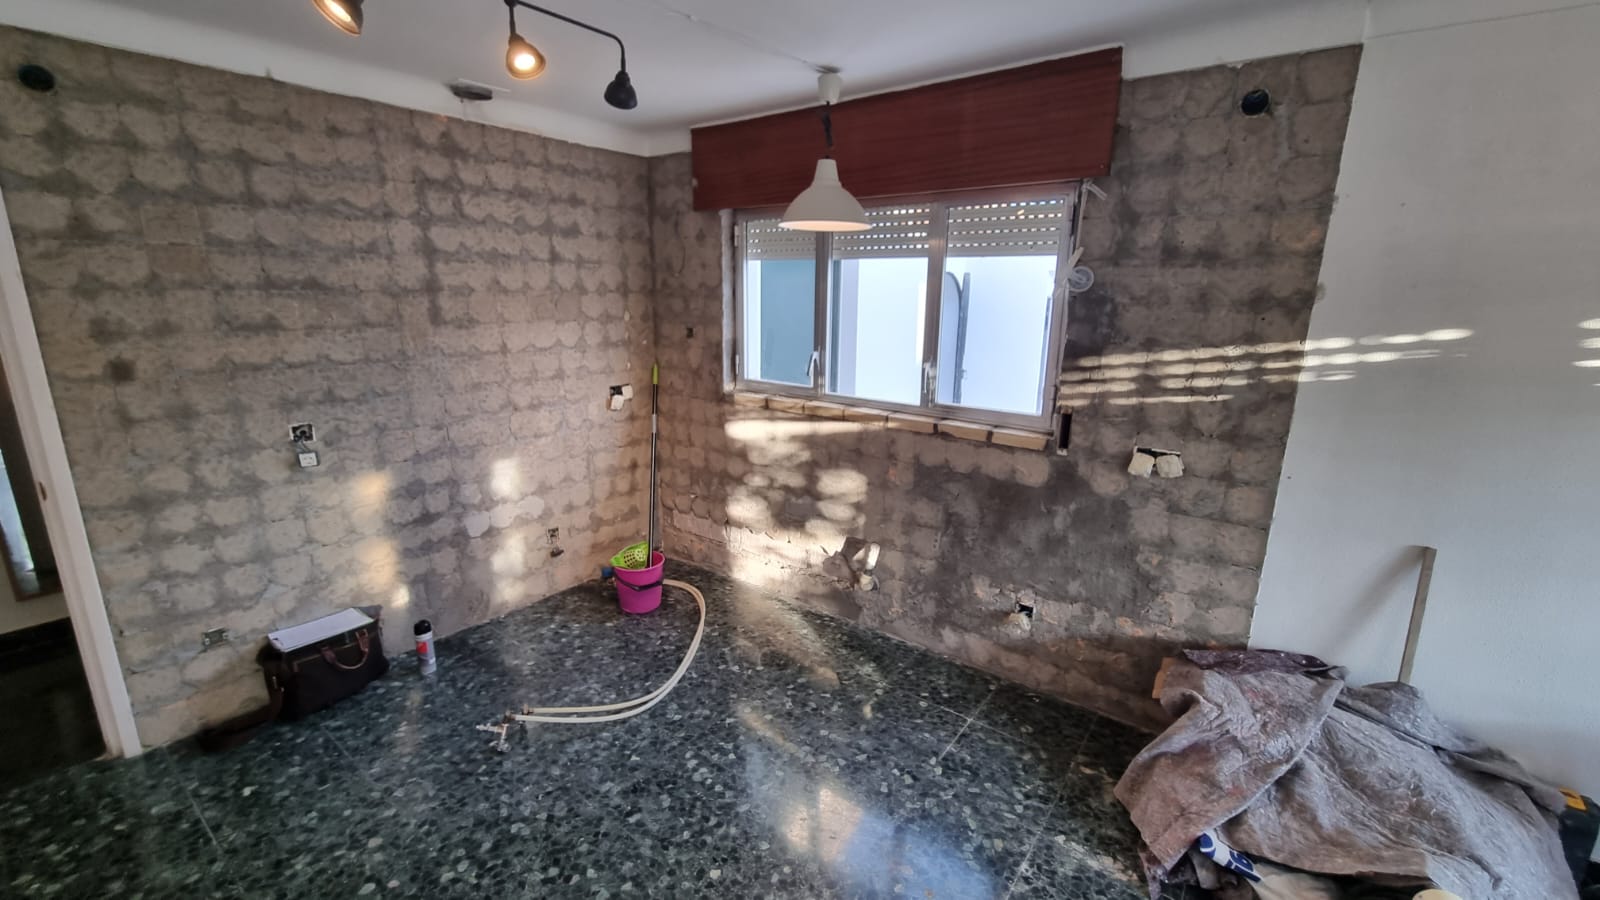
point(826, 205)
point(344, 14)
point(523, 59)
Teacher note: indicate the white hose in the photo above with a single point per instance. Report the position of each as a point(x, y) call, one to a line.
point(628, 708)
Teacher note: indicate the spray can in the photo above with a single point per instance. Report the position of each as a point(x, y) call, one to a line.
point(426, 658)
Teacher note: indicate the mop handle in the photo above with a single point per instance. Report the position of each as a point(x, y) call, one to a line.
point(655, 401)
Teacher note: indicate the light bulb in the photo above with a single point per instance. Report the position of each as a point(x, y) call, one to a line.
point(344, 14)
point(523, 60)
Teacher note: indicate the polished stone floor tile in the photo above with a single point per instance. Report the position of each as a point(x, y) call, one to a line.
point(799, 758)
point(1054, 730)
point(121, 829)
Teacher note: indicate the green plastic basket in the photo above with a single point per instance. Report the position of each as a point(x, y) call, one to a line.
point(634, 557)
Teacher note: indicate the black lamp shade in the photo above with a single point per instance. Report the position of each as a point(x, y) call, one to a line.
point(620, 93)
point(344, 14)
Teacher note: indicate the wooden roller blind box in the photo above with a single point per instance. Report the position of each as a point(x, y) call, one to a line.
point(1035, 124)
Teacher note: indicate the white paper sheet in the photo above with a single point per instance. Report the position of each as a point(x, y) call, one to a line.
point(297, 636)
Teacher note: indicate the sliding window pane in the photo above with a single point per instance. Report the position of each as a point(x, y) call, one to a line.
point(779, 303)
point(877, 307)
point(996, 304)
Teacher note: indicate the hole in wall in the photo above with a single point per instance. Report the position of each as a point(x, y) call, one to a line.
point(121, 371)
point(36, 78)
point(1255, 103)
point(1064, 433)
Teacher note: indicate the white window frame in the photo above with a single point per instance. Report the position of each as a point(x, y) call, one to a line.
point(1044, 422)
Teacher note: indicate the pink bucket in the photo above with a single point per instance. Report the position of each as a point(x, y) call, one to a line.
point(639, 590)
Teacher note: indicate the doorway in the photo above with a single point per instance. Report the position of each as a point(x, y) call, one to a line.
point(51, 721)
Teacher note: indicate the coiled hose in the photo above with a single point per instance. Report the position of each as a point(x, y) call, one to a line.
point(611, 712)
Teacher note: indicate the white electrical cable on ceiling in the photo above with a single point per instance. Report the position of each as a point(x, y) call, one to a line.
point(735, 35)
point(611, 712)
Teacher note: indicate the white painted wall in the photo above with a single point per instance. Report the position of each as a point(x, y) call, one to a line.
point(15, 615)
point(1469, 199)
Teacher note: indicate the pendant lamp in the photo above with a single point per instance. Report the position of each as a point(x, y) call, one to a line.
point(826, 205)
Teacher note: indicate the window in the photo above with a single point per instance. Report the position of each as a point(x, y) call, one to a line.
point(949, 308)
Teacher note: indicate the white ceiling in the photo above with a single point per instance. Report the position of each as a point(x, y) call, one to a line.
point(692, 61)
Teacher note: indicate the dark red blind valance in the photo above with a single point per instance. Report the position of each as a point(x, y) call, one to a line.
point(1035, 124)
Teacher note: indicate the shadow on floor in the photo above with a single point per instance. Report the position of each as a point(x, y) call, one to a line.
point(49, 715)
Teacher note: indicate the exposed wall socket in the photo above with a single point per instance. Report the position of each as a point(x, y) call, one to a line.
point(552, 535)
point(213, 637)
point(305, 433)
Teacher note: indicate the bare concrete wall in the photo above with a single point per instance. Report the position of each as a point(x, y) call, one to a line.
point(211, 257)
point(1207, 252)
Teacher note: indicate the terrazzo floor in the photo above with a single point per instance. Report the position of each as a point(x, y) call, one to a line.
point(800, 757)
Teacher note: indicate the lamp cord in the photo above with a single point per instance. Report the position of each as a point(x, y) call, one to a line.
point(827, 128)
point(733, 34)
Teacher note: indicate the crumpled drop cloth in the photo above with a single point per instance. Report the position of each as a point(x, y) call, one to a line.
point(1290, 764)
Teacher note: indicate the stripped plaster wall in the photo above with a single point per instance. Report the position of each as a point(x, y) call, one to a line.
point(1207, 251)
point(211, 257)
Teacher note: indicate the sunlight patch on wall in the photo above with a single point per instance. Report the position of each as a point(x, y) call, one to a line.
point(1198, 374)
point(1146, 401)
point(504, 479)
point(764, 430)
point(369, 496)
point(380, 564)
point(509, 566)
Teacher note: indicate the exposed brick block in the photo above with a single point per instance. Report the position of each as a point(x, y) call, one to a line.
point(787, 404)
point(825, 410)
point(908, 422)
point(1025, 440)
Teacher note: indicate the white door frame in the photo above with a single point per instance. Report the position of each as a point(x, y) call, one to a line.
point(69, 539)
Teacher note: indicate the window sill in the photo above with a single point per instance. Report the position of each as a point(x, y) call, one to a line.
point(897, 421)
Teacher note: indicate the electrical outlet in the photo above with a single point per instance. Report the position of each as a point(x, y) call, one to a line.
point(213, 637)
point(308, 459)
point(553, 535)
point(305, 433)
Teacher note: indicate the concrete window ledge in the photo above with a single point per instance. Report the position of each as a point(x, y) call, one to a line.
point(898, 421)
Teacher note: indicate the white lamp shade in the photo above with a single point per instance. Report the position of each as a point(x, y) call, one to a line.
point(825, 205)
